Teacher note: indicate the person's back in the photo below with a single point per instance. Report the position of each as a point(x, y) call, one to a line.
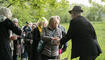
point(4, 40)
point(83, 36)
point(80, 25)
point(5, 26)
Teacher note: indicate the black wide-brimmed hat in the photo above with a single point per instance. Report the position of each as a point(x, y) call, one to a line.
point(76, 9)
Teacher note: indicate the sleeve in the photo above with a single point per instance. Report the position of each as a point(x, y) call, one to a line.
point(44, 37)
point(67, 36)
point(64, 47)
point(34, 34)
point(64, 32)
point(10, 25)
point(93, 33)
point(24, 29)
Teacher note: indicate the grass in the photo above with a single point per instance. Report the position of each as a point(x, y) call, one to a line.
point(100, 31)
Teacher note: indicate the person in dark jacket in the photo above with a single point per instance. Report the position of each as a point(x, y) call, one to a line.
point(5, 26)
point(36, 33)
point(16, 43)
point(83, 36)
point(26, 30)
point(36, 39)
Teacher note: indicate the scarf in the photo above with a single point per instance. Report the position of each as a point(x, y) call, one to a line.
point(2, 18)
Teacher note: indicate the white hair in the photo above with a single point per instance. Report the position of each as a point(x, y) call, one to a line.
point(5, 12)
point(15, 20)
point(58, 17)
point(53, 18)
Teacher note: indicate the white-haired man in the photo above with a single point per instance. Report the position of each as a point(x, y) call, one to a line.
point(5, 26)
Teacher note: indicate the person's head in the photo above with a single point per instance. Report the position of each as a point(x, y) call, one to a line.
point(30, 24)
point(15, 21)
point(27, 24)
point(33, 26)
point(42, 22)
point(45, 22)
point(53, 22)
point(76, 11)
point(5, 12)
point(58, 18)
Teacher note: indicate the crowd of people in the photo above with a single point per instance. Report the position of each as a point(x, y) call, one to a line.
point(45, 39)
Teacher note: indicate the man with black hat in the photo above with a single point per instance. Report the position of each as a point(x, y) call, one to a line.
point(83, 36)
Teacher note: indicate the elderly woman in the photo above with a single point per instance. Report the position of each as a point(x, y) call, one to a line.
point(5, 26)
point(51, 34)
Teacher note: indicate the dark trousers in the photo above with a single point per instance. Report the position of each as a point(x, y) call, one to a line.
point(36, 56)
point(14, 55)
point(29, 51)
point(87, 57)
point(44, 57)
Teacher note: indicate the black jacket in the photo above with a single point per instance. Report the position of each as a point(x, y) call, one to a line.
point(36, 38)
point(5, 27)
point(84, 40)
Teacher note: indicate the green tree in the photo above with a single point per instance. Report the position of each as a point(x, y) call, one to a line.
point(96, 12)
point(32, 10)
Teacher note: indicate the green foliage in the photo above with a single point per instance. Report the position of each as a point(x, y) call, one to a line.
point(103, 0)
point(32, 10)
point(96, 12)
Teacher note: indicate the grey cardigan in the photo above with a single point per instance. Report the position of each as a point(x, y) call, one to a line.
point(51, 49)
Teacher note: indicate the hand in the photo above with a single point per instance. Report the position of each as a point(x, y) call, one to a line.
point(31, 42)
point(13, 37)
point(52, 38)
point(57, 42)
point(55, 38)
